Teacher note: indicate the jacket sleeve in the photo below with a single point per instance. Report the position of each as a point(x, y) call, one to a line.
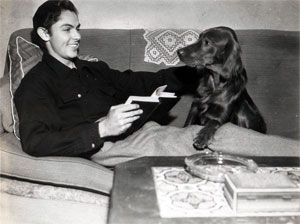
point(178, 79)
point(41, 131)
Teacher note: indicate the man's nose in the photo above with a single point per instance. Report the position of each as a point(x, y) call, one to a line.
point(76, 35)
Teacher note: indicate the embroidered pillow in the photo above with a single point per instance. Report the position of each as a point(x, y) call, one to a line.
point(163, 44)
point(24, 55)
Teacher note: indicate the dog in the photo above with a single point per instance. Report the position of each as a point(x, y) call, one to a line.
point(221, 94)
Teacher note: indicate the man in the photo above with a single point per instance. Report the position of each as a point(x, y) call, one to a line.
point(70, 107)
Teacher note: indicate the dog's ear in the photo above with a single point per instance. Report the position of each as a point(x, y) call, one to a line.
point(233, 62)
point(231, 57)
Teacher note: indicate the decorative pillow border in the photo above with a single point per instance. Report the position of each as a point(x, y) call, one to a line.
point(22, 58)
point(23, 55)
point(162, 44)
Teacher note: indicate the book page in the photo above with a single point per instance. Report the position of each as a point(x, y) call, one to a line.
point(159, 91)
point(167, 94)
point(142, 99)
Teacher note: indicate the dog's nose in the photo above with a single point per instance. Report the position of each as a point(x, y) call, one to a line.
point(180, 52)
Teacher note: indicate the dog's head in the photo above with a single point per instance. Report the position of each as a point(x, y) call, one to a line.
point(217, 49)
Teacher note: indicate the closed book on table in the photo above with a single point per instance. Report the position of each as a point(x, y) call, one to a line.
point(261, 192)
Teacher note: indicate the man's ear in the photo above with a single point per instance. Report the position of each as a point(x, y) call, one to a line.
point(43, 33)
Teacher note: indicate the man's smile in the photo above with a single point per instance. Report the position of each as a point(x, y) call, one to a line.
point(74, 45)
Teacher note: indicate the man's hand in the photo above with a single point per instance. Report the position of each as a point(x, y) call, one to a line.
point(119, 119)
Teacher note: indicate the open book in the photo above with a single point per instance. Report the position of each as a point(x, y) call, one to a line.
point(153, 106)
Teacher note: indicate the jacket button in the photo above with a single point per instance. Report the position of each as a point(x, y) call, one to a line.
point(79, 95)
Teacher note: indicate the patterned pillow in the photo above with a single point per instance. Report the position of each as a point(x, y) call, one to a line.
point(24, 55)
point(163, 44)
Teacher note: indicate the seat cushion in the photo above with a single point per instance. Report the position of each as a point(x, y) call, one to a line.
point(76, 173)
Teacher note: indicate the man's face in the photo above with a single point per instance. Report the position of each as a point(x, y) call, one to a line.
point(64, 38)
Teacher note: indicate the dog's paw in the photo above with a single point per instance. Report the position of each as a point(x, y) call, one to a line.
point(203, 138)
point(201, 141)
point(198, 146)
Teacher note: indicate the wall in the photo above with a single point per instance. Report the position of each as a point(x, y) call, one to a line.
point(130, 14)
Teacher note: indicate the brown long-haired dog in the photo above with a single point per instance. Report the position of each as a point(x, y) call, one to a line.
point(221, 95)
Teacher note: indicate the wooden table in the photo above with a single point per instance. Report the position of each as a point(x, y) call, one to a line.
point(133, 198)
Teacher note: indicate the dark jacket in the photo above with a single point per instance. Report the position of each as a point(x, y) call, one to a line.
point(58, 106)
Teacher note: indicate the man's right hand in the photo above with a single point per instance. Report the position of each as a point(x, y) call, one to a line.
point(119, 119)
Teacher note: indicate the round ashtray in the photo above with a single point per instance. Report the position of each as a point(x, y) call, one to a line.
point(214, 166)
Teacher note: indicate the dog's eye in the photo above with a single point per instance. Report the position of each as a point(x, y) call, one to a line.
point(206, 42)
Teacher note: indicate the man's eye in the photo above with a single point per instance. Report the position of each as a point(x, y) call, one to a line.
point(66, 28)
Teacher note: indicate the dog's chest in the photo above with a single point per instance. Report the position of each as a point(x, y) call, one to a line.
point(208, 85)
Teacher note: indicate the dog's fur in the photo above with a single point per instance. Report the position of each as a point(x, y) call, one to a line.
point(221, 95)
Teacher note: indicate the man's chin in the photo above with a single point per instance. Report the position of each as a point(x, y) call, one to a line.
point(73, 56)
point(73, 53)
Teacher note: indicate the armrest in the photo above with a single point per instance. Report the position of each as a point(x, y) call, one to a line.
point(77, 173)
point(6, 121)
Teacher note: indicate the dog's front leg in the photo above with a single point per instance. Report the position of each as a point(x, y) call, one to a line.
point(193, 114)
point(206, 134)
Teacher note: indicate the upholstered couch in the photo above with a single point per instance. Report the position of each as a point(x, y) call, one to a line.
point(75, 190)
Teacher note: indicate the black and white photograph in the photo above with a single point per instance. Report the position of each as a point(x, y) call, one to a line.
point(149, 112)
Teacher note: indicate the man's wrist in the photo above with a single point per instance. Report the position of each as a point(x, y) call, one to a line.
point(101, 128)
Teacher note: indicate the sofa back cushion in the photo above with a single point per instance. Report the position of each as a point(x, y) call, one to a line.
point(271, 59)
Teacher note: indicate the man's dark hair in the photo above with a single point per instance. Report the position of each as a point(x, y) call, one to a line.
point(48, 14)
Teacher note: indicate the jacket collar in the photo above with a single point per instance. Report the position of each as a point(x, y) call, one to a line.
point(59, 68)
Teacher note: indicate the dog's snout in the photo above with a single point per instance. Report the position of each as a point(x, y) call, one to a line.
point(180, 52)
